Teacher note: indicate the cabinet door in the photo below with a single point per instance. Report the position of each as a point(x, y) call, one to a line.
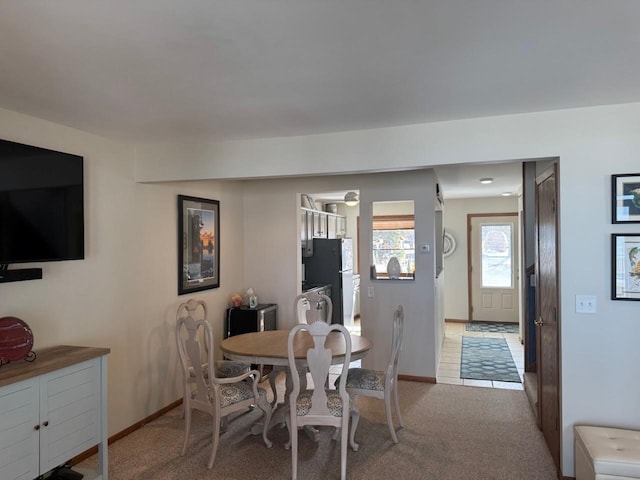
point(319, 225)
point(69, 412)
point(303, 231)
point(341, 228)
point(19, 424)
point(332, 226)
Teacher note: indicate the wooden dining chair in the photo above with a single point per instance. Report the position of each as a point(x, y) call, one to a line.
point(319, 406)
point(209, 393)
point(379, 384)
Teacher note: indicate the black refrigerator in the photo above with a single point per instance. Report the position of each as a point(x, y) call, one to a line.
point(332, 264)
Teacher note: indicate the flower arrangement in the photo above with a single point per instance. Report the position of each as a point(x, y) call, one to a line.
point(236, 300)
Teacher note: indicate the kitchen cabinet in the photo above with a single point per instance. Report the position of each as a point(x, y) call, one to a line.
point(332, 226)
point(51, 410)
point(341, 226)
point(317, 224)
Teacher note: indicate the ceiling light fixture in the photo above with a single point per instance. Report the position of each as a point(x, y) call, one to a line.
point(351, 199)
point(486, 180)
point(506, 194)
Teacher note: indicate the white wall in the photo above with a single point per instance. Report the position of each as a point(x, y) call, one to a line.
point(456, 293)
point(591, 143)
point(272, 259)
point(123, 295)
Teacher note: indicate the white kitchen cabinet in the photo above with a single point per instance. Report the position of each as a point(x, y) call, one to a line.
point(51, 410)
point(319, 225)
point(332, 226)
point(341, 226)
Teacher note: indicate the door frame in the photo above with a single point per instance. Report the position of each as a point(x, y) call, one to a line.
point(470, 217)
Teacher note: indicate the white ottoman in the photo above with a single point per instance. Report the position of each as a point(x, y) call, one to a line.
point(606, 453)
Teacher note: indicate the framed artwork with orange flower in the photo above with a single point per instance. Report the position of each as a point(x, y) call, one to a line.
point(198, 244)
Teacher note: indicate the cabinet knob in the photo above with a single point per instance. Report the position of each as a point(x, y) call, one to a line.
point(46, 423)
point(37, 427)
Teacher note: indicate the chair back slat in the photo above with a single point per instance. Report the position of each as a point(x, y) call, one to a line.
point(319, 359)
point(307, 307)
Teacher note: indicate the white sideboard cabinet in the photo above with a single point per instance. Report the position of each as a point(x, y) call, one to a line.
point(53, 409)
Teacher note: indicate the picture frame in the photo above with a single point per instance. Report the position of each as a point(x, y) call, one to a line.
point(625, 198)
point(625, 266)
point(198, 244)
point(311, 203)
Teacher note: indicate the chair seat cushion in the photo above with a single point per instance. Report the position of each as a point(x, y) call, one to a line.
point(229, 368)
point(231, 393)
point(365, 379)
point(334, 402)
point(612, 452)
point(224, 369)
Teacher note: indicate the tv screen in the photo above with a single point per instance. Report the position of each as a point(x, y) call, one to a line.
point(41, 204)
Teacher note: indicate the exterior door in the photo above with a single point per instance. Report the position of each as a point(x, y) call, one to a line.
point(547, 323)
point(493, 263)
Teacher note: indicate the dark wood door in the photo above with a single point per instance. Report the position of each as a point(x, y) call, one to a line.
point(547, 307)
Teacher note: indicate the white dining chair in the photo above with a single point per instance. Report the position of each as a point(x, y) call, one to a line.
point(378, 384)
point(310, 307)
point(319, 406)
point(209, 393)
point(224, 368)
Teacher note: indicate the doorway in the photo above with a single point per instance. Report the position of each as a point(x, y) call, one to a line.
point(493, 262)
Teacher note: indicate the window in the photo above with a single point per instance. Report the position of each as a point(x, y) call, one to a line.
point(497, 255)
point(394, 236)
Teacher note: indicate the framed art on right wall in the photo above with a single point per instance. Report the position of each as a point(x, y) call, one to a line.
point(625, 266)
point(625, 198)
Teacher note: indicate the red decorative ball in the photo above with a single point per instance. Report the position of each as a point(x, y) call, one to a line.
point(16, 339)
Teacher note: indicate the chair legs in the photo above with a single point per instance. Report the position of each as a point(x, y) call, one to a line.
point(216, 438)
point(266, 408)
point(395, 398)
point(355, 418)
point(187, 426)
point(387, 408)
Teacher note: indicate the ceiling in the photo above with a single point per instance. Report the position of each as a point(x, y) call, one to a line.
point(162, 70)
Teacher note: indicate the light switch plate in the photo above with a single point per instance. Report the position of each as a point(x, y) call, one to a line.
point(370, 292)
point(585, 304)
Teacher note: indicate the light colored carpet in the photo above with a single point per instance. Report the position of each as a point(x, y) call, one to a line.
point(451, 433)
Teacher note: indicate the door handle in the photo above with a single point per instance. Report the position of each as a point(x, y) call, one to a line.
point(539, 322)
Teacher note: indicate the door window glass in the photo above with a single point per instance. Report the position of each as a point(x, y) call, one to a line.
point(497, 255)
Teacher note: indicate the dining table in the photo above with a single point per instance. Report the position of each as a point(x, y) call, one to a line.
point(270, 348)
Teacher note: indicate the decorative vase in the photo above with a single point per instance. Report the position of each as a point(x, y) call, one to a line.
point(393, 268)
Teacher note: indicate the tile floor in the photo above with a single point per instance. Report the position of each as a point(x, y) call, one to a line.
point(449, 370)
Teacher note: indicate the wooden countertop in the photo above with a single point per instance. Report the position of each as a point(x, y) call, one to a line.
point(47, 360)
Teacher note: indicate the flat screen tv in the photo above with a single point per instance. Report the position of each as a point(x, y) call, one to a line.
point(41, 205)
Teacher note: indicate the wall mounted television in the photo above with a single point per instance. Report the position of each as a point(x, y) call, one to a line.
point(41, 205)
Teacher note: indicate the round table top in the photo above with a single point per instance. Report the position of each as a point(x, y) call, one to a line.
point(270, 347)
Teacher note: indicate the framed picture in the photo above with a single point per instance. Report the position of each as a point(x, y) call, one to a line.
point(310, 202)
point(625, 266)
point(625, 192)
point(198, 244)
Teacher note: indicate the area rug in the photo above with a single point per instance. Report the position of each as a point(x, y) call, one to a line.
point(492, 327)
point(487, 359)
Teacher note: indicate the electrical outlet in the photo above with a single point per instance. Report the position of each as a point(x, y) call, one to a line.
point(585, 304)
point(370, 292)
